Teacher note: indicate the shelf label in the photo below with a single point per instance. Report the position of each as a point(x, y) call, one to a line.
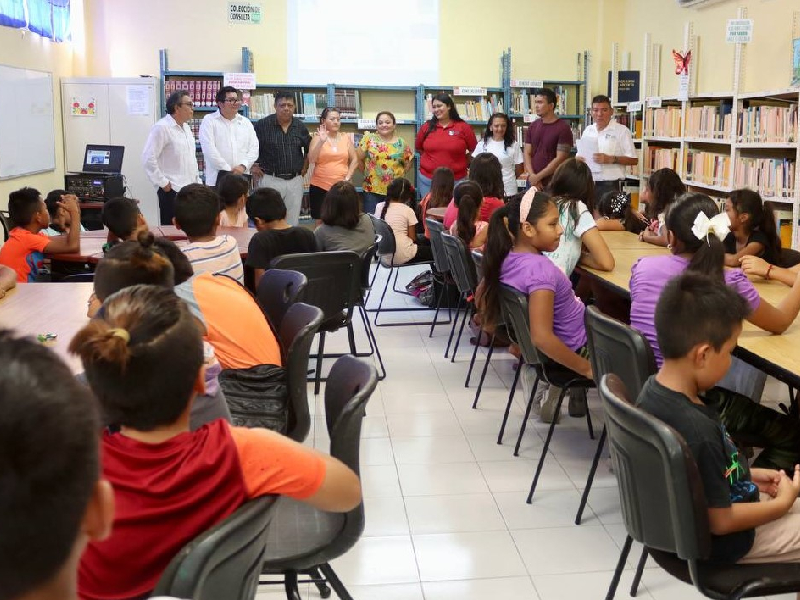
point(527, 83)
point(528, 118)
point(241, 81)
point(634, 107)
point(366, 124)
point(683, 87)
point(654, 102)
point(739, 31)
point(464, 90)
point(248, 13)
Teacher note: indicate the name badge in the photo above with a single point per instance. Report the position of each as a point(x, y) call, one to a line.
point(451, 132)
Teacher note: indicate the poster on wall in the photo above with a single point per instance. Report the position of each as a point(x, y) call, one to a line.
point(84, 107)
point(796, 61)
point(248, 13)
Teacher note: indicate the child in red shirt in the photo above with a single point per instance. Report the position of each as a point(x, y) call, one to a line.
point(26, 245)
point(143, 360)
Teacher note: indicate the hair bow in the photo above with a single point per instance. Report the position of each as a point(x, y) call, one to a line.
point(719, 225)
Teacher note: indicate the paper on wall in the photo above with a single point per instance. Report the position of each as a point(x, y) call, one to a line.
point(138, 99)
point(587, 148)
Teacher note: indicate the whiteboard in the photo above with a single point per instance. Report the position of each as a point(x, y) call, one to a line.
point(27, 132)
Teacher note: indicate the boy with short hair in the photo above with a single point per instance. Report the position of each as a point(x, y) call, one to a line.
point(197, 214)
point(275, 236)
point(52, 499)
point(123, 219)
point(60, 219)
point(27, 245)
point(698, 321)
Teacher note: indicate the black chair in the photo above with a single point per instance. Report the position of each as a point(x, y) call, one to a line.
point(614, 348)
point(333, 285)
point(77, 278)
point(788, 258)
point(441, 272)
point(463, 271)
point(7, 223)
point(298, 328)
point(277, 290)
point(304, 539)
point(224, 562)
point(664, 506)
point(361, 303)
point(515, 314)
point(386, 249)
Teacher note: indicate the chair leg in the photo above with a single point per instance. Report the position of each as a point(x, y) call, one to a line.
point(318, 580)
point(600, 445)
point(453, 328)
point(335, 582)
point(589, 423)
point(320, 352)
point(467, 316)
point(474, 354)
point(546, 445)
point(351, 340)
point(483, 373)
point(623, 556)
point(383, 295)
point(508, 404)
point(290, 584)
point(527, 415)
point(438, 306)
point(373, 342)
point(637, 578)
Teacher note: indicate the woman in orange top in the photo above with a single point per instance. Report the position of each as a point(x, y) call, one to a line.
point(334, 158)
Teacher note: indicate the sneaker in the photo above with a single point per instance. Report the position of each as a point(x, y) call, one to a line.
point(548, 412)
point(577, 403)
point(528, 378)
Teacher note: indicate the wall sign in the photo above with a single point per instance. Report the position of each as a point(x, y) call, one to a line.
point(739, 31)
point(241, 81)
point(248, 13)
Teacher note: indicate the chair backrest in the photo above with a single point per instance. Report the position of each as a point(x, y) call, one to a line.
point(333, 279)
point(224, 562)
point(436, 229)
point(661, 494)
point(298, 328)
point(277, 291)
point(387, 245)
point(617, 348)
point(7, 223)
point(462, 269)
point(514, 307)
point(366, 264)
point(788, 258)
point(477, 258)
point(77, 277)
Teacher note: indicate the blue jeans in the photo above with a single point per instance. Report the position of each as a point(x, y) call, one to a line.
point(371, 201)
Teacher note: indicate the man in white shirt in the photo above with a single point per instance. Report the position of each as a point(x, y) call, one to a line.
point(228, 139)
point(169, 156)
point(615, 147)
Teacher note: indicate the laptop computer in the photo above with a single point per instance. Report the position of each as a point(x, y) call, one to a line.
point(103, 159)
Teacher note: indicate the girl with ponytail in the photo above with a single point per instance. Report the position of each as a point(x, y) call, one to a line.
point(753, 230)
point(399, 215)
point(468, 225)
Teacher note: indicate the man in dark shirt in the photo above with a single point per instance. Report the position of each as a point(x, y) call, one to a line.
point(283, 143)
point(275, 236)
point(548, 140)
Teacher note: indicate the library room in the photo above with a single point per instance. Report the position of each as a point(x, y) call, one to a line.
point(513, 313)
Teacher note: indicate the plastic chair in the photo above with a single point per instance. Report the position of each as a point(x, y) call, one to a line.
point(515, 311)
point(614, 348)
point(463, 271)
point(277, 290)
point(441, 272)
point(788, 258)
point(298, 328)
point(7, 223)
point(224, 562)
point(386, 248)
point(664, 506)
point(361, 303)
point(77, 278)
point(304, 539)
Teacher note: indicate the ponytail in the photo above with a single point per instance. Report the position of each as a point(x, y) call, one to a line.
point(468, 198)
point(708, 254)
point(762, 218)
point(131, 263)
point(499, 243)
point(399, 190)
point(100, 343)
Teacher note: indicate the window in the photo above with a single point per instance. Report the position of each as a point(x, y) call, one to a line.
point(48, 18)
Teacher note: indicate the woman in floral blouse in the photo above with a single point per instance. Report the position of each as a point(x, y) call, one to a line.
point(385, 157)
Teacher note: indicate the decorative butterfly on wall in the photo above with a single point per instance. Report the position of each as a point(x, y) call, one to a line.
point(681, 61)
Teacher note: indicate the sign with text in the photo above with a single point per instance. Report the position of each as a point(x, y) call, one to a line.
point(654, 102)
point(634, 107)
point(529, 118)
point(241, 81)
point(464, 90)
point(739, 31)
point(683, 87)
point(366, 124)
point(527, 83)
point(248, 13)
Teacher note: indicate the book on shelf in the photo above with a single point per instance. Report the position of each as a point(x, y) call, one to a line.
point(769, 176)
point(202, 91)
point(520, 131)
point(656, 158)
point(522, 101)
point(663, 122)
point(709, 121)
point(632, 121)
point(627, 86)
point(708, 168)
point(471, 110)
point(783, 225)
point(348, 102)
point(767, 124)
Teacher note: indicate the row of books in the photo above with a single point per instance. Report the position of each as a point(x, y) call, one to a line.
point(632, 121)
point(711, 122)
point(306, 104)
point(663, 122)
point(522, 102)
point(348, 102)
point(472, 110)
point(783, 224)
point(660, 158)
point(770, 176)
point(774, 124)
point(202, 91)
point(521, 130)
point(194, 124)
point(709, 168)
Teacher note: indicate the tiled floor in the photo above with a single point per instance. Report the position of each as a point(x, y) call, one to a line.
point(446, 516)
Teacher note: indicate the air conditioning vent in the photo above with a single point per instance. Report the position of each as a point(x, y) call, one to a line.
point(697, 3)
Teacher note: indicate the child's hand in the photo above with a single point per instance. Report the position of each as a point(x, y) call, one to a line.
point(69, 202)
point(767, 480)
point(788, 489)
point(753, 265)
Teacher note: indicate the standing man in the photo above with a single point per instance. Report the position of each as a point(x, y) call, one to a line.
point(615, 147)
point(169, 156)
point(548, 141)
point(228, 139)
point(283, 143)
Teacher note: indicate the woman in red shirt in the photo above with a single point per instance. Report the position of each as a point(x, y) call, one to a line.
point(446, 140)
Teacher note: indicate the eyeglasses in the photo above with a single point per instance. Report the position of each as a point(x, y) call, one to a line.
point(187, 104)
point(233, 100)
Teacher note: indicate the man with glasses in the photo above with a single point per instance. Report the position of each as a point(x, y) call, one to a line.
point(283, 143)
point(228, 139)
point(170, 154)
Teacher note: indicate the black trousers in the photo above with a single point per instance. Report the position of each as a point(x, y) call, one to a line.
point(602, 187)
point(166, 205)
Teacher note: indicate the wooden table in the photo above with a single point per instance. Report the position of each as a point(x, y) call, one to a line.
point(778, 355)
point(37, 308)
point(436, 213)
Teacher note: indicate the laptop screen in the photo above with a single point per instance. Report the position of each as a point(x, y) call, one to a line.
point(103, 159)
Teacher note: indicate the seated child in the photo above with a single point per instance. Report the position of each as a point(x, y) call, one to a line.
point(197, 214)
point(752, 513)
point(397, 213)
point(60, 219)
point(344, 226)
point(123, 219)
point(52, 499)
point(25, 249)
point(660, 191)
point(275, 236)
point(613, 213)
point(233, 192)
point(484, 170)
point(144, 362)
point(753, 231)
point(468, 225)
point(441, 193)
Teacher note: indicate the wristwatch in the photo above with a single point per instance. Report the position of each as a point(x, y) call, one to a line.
point(614, 160)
